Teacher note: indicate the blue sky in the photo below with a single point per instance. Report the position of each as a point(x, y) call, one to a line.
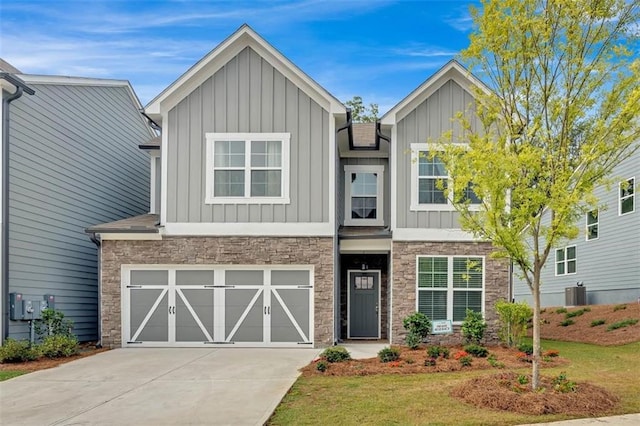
point(378, 49)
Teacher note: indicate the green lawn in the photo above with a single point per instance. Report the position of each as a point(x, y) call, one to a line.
point(424, 398)
point(6, 375)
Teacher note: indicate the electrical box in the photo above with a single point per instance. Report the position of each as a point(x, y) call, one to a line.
point(51, 301)
point(32, 309)
point(15, 307)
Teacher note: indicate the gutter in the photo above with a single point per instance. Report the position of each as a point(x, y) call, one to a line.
point(21, 87)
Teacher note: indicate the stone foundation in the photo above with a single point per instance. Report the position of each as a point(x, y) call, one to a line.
point(316, 251)
point(404, 284)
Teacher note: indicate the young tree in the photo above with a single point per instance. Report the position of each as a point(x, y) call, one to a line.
point(360, 113)
point(563, 110)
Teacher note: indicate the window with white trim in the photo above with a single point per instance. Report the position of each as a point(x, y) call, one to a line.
point(364, 195)
point(592, 225)
point(627, 196)
point(430, 180)
point(247, 168)
point(449, 285)
point(566, 260)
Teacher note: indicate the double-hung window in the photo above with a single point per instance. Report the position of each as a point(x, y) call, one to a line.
point(566, 260)
point(627, 196)
point(430, 181)
point(449, 285)
point(364, 195)
point(592, 225)
point(247, 168)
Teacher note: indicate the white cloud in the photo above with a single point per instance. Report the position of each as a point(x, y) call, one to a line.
point(462, 22)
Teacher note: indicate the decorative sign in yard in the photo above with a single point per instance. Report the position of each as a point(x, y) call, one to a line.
point(442, 327)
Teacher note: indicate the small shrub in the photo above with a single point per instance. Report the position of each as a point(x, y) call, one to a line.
point(17, 351)
point(619, 308)
point(437, 351)
point(574, 314)
point(466, 361)
point(551, 353)
point(59, 346)
point(587, 309)
point(410, 361)
point(477, 350)
point(430, 362)
point(524, 357)
point(460, 354)
point(336, 354)
point(527, 348)
point(389, 354)
point(562, 384)
point(473, 326)
point(494, 362)
point(322, 366)
point(514, 318)
point(598, 322)
point(561, 311)
point(53, 323)
point(418, 326)
point(543, 310)
point(523, 379)
point(413, 340)
point(621, 324)
point(567, 322)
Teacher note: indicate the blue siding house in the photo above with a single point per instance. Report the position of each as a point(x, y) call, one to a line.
point(73, 161)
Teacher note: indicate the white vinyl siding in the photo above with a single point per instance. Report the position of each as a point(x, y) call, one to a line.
point(627, 196)
point(566, 261)
point(247, 168)
point(449, 285)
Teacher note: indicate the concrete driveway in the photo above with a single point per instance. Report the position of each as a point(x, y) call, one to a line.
point(145, 386)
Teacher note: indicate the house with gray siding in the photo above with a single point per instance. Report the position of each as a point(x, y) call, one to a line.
point(282, 223)
point(73, 160)
point(602, 264)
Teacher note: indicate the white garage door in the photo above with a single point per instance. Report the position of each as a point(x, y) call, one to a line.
point(197, 306)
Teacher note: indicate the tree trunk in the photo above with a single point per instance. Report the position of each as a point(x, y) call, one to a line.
point(535, 374)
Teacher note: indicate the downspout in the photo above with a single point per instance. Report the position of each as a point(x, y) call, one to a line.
point(93, 237)
point(21, 88)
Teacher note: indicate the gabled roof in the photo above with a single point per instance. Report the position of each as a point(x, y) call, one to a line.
point(452, 70)
point(225, 51)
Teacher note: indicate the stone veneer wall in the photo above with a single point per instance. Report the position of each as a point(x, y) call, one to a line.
point(404, 284)
point(316, 251)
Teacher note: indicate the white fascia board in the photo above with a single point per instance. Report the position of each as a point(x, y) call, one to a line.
point(221, 54)
point(130, 236)
point(394, 177)
point(450, 71)
point(333, 146)
point(164, 162)
point(300, 229)
point(431, 234)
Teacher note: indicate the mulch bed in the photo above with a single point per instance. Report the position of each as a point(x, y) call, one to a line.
point(412, 362)
point(86, 350)
point(503, 391)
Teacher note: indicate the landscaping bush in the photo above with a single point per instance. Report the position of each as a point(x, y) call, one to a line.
point(619, 308)
point(527, 348)
point(336, 354)
point(418, 326)
point(621, 324)
point(567, 322)
point(430, 362)
point(389, 354)
point(473, 327)
point(561, 311)
point(574, 314)
point(598, 322)
point(492, 360)
point(513, 321)
point(437, 351)
point(477, 350)
point(321, 366)
point(59, 346)
point(17, 351)
point(562, 384)
point(53, 323)
point(466, 361)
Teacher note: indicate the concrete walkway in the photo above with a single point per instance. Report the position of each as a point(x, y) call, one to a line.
point(144, 386)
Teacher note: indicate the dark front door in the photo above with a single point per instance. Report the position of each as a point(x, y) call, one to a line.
point(364, 301)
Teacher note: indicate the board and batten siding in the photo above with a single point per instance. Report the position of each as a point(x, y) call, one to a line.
point(427, 123)
point(248, 95)
point(74, 162)
point(386, 190)
point(609, 266)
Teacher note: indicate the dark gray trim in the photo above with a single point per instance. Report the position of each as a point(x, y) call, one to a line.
point(21, 88)
point(94, 230)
